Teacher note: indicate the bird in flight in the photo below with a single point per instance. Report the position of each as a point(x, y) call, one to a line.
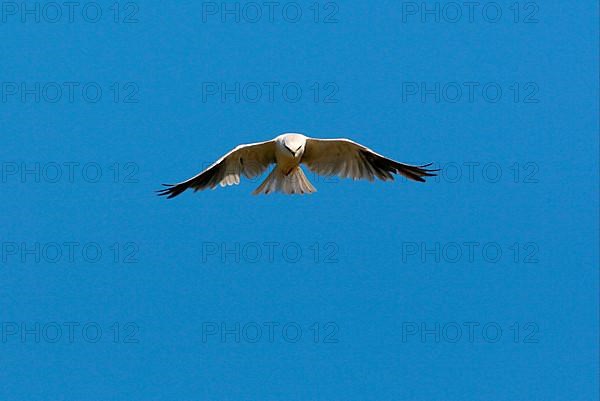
point(341, 157)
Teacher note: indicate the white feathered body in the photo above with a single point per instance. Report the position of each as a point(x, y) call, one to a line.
point(287, 176)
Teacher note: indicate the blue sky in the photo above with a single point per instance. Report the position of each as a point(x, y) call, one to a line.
point(481, 284)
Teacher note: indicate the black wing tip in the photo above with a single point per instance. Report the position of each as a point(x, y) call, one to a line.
point(429, 171)
point(384, 167)
point(424, 167)
point(417, 173)
point(171, 191)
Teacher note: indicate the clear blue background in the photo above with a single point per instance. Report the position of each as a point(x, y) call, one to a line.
point(170, 134)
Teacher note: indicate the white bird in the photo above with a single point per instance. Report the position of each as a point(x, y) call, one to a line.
point(328, 157)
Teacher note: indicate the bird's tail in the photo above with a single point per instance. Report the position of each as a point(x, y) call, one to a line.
point(293, 183)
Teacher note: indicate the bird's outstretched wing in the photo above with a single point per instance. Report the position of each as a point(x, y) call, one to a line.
point(250, 160)
point(348, 159)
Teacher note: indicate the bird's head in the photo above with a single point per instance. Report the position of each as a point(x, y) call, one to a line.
point(294, 144)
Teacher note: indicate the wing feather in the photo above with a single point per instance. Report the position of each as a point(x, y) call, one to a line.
point(348, 159)
point(249, 160)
